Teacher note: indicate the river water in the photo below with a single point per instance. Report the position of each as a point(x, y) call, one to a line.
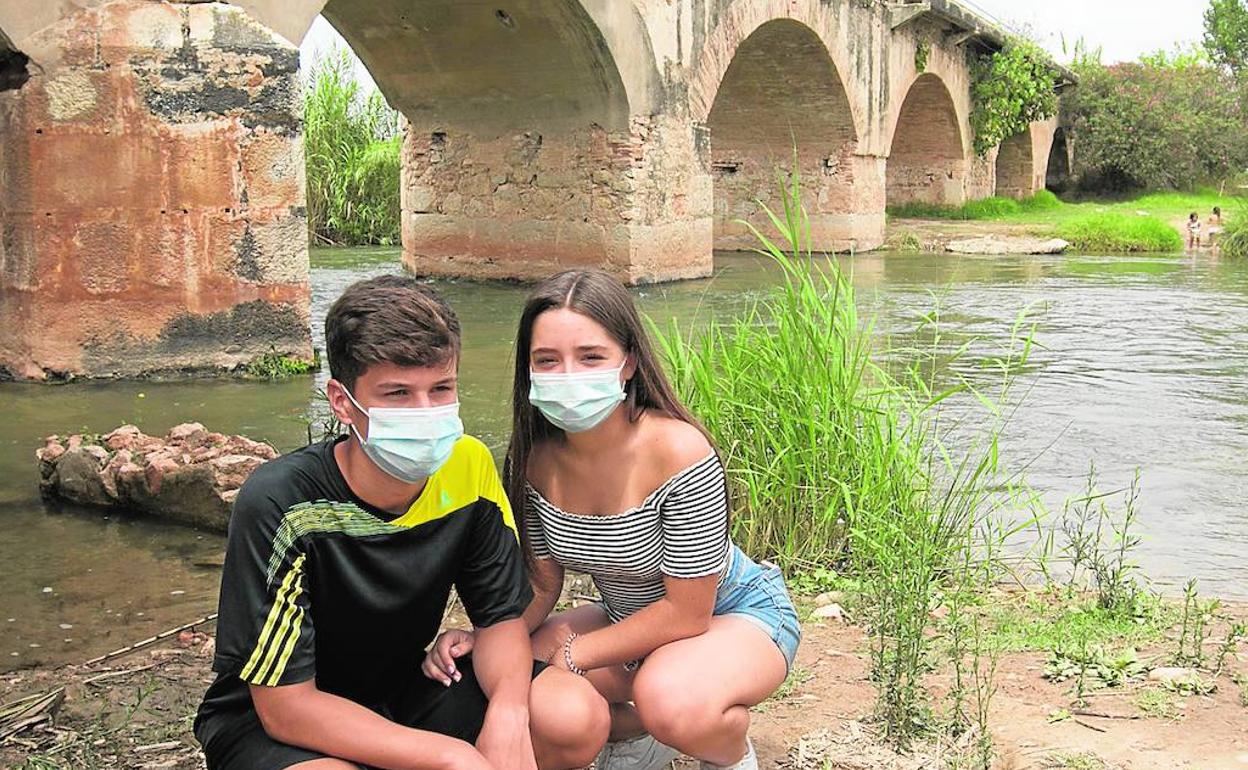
point(1142, 362)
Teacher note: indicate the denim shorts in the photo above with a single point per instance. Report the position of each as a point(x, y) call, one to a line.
point(756, 592)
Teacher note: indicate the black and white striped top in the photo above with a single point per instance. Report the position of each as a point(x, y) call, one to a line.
point(680, 530)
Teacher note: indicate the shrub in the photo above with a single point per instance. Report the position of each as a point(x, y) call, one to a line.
point(1010, 90)
point(1233, 241)
point(1041, 201)
point(1115, 232)
point(991, 208)
point(1162, 123)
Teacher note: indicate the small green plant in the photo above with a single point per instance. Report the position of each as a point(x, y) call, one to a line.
point(922, 52)
point(278, 366)
point(1158, 702)
point(907, 240)
point(1093, 665)
point(1233, 240)
point(1099, 544)
point(1191, 644)
point(1234, 635)
point(1085, 760)
point(1241, 681)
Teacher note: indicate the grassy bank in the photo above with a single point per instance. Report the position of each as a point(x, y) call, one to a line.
point(1149, 222)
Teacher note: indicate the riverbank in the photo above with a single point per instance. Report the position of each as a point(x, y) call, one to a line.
point(135, 711)
point(1154, 222)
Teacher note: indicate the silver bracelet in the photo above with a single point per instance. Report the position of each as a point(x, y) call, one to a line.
point(567, 655)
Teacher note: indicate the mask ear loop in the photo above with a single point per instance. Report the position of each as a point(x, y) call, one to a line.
point(351, 425)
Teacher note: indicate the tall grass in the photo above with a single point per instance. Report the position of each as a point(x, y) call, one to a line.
point(987, 208)
point(833, 460)
point(1233, 240)
point(1118, 232)
point(351, 144)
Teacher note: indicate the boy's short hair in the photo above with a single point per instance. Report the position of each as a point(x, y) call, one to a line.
point(389, 319)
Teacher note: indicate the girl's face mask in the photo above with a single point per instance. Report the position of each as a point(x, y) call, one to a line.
point(576, 401)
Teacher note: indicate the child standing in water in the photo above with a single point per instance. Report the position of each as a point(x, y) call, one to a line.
point(1193, 231)
point(1215, 228)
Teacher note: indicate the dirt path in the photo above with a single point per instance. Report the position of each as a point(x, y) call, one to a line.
point(135, 713)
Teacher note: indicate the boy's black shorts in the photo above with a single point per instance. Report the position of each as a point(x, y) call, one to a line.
point(239, 742)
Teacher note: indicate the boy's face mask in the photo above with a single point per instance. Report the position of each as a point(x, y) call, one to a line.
point(409, 443)
point(576, 401)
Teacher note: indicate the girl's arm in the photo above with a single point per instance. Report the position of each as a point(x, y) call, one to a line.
point(547, 581)
point(683, 613)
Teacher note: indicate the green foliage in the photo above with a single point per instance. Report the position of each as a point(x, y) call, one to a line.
point(278, 366)
point(1116, 232)
point(1041, 621)
point(987, 208)
point(1108, 669)
point(1226, 34)
point(833, 458)
point(1168, 122)
point(1041, 201)
point(1010, 90)
point(922, 52)
point(352, 150)
point(1233, 240)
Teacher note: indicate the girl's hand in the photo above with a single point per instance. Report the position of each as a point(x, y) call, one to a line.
point(439, 664)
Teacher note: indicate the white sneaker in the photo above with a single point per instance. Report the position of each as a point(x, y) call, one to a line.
point(640, 753)
point(748, 762)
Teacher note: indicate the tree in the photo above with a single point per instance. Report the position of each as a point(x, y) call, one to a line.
point(1226, 34)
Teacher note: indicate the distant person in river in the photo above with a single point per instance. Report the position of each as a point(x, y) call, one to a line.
point(1215, 228)
point(610, 475)
point(1193, 231)
point(340, 561)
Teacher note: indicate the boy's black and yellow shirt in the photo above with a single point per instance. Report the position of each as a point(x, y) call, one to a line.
point(319, 584)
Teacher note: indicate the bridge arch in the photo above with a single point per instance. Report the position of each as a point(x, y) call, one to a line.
point(761, 117)
point(1016, 166)
point(927, 160)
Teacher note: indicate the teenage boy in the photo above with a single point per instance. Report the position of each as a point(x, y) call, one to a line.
point(340, 561)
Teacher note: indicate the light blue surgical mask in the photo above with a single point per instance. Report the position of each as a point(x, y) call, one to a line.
point(576, 401)
point(410, 444)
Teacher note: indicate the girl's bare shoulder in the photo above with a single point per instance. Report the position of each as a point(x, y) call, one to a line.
point(673, 444)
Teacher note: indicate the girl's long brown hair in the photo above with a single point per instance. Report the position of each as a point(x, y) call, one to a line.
point(599, 296)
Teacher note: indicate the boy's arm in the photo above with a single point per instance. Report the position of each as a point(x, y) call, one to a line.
point(301, 715)
point(503, 662)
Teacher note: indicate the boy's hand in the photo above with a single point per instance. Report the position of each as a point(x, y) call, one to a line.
point(505, 740)
point(439, 664)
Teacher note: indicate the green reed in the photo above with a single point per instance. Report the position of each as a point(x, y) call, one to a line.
point(351, 146)
point(837, 457)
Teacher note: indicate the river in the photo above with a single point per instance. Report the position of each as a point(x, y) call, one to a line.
point(1142, 362)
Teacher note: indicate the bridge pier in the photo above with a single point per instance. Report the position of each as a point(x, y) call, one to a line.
point(152, 209)
point(634, 202)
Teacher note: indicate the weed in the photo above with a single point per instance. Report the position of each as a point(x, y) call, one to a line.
point(1195, 626)
point(1092, 665)
point(796, 678)
point(1234, 635)
point(1158, 702)
point(1099, 544)
point(278, 366)
point(1085, 760)
point(1241, 681)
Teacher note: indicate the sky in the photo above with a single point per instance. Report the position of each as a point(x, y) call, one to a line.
point(1123, 28)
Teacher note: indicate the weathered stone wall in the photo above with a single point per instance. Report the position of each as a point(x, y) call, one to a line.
point(1015, 169)
point(524, 206)
point(152, 212)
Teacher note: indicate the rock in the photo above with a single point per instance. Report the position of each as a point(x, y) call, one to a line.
point(122, 438)
point(1008, 245)
point(832, 611)
point(191, 476)
point(829, 597)
point(1173, 675)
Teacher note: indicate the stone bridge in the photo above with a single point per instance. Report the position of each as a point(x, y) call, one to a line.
point(152, 214)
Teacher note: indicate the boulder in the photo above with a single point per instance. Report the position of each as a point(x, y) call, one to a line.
point(191, 476)
point(996, 245)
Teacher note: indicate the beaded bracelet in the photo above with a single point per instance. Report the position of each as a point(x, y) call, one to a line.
point(567, 655)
